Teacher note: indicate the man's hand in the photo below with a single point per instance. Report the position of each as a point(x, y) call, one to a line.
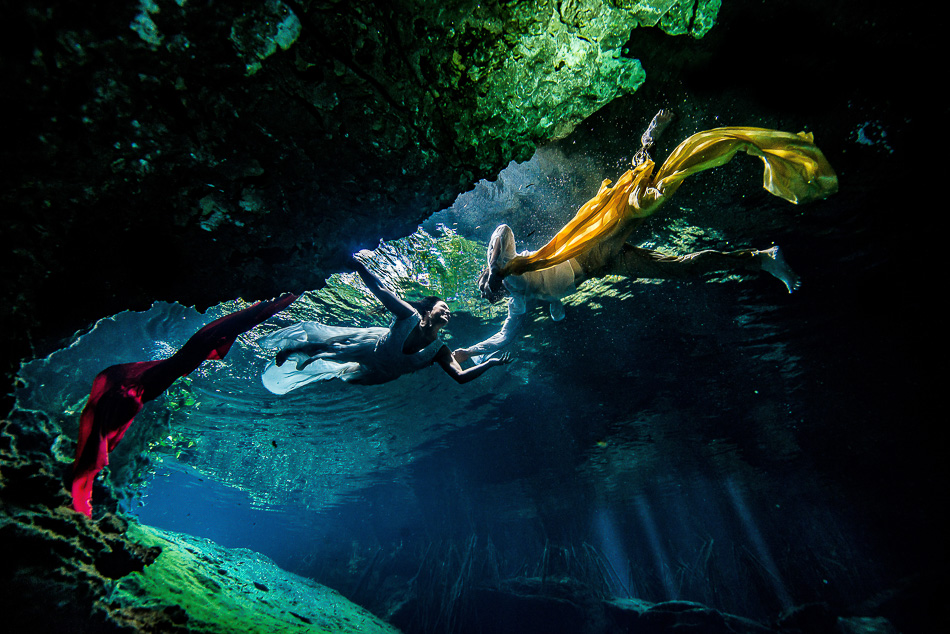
point(504, 359)
point(491, 287)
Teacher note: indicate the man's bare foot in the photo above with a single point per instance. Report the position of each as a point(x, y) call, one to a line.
point(773, 262)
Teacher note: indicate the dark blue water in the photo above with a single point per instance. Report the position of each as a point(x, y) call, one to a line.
point(717, 440)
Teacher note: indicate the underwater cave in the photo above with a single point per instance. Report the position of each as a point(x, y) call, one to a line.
point(712, 452)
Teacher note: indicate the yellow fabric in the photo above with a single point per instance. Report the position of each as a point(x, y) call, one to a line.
point(795, 169)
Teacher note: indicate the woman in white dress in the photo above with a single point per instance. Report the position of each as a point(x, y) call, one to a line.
point(310, 351)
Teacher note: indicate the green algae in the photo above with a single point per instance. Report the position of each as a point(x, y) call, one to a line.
point(561, 64)
point(258, 34)
point(204, 587)
point(674, 17)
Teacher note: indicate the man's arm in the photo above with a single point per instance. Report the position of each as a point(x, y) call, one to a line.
point(509, 330)
point(448, 363)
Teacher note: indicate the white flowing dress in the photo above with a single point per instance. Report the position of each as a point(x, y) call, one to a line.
point(368, 356)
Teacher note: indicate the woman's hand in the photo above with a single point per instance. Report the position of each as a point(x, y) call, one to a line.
point(389, 299)
point(461, 355)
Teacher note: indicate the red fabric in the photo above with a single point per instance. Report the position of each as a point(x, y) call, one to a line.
point(119, 392)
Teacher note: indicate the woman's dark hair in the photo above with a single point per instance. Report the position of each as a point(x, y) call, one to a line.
point(424, 306)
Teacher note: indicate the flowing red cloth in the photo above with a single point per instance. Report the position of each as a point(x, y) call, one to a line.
point(119, 392)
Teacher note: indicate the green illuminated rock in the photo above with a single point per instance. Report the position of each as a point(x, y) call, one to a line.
point(674, 17)
point(201, 587)
point(257, 34)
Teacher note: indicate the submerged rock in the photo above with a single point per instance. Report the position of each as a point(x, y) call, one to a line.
point(64, 572)
point(675, 616)
point(56, 565)
point(203, 587)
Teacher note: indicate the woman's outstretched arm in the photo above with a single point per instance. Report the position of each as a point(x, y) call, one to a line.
point(445, 359)
point(390, 300)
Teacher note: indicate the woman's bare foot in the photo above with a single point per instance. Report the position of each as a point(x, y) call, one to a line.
point(660, 120)
point(773, 262)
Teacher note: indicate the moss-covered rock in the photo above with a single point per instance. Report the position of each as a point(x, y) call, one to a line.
point(56, 565)
point(66, 572)
point(202, 587)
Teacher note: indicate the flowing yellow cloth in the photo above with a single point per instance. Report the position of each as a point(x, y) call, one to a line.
point(795, 169)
